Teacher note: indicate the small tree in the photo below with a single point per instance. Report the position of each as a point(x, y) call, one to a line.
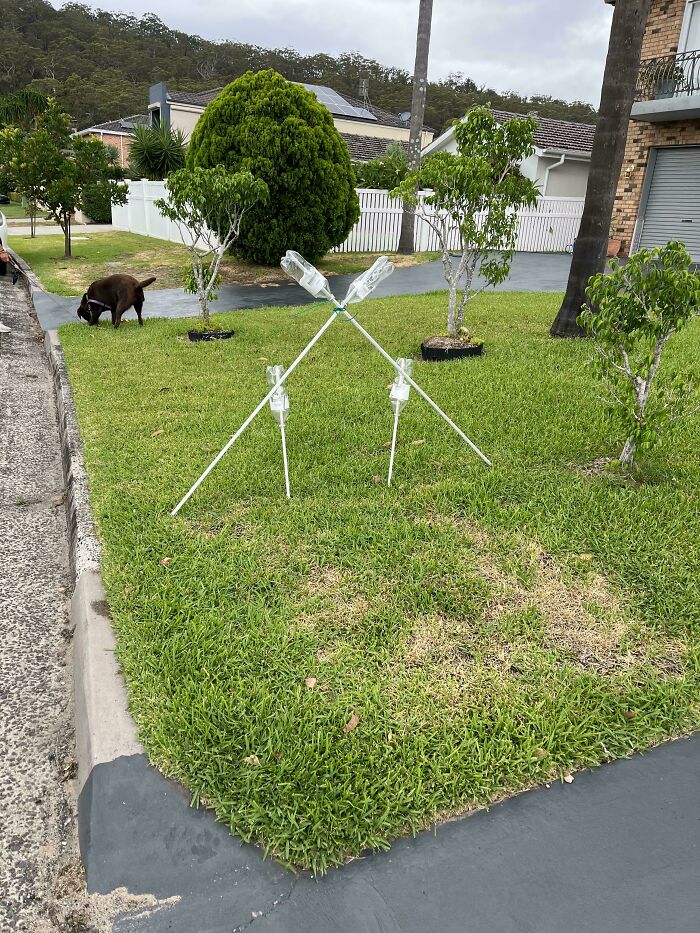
point(156, 152)
point(472, 204)
point(53, 168)
point(208, 206)
point(631, 315)
point(22, 169)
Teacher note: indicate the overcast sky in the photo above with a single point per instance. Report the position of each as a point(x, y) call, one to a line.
point(552, 47)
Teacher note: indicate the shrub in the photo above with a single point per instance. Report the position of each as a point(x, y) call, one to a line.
point(97, 203)
point(280, 133)
point(156, 152)
point(631, 315)
point(386, 172)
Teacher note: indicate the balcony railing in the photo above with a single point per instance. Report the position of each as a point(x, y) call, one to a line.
point(670, 76)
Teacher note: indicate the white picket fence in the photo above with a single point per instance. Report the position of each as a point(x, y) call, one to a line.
point(551, 226)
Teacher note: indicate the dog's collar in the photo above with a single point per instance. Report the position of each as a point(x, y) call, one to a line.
point(94, 301)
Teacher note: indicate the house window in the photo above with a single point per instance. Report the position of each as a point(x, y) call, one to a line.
point(690, 33)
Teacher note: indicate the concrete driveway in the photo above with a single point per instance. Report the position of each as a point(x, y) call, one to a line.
point(531, 272)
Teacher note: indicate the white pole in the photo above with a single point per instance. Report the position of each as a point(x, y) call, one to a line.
point(284, 458)
point(255, 412)
point(418, 389)
point(393, 444)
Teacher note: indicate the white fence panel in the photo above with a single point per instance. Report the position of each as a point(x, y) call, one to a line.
point(140, 214)
point(551, 226)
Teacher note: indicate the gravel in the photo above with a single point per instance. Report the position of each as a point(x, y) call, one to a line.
point(40, 877)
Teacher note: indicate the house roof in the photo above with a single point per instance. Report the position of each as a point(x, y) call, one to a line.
point(122, 125)
point(383, 116)
point(364, 148)
point(559, 135)
point(194, 98)
point(324, 94)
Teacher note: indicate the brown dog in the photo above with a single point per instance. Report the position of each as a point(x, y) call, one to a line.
point(116, 293)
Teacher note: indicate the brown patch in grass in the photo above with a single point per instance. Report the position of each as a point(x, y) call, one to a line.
point(331, 596)
point(577, 616)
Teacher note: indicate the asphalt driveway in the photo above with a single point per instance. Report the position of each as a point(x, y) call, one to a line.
point(531, 272)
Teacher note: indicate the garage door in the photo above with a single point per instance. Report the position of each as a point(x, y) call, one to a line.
point(673, 206)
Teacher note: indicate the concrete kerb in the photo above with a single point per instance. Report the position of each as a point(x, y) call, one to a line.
point(104, 728)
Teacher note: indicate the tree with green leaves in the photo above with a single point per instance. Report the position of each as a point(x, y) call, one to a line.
point(631, 315)
point(51, 167)
point(277, 130)
point(23, 168)
point(209, 206)
point(21, 108)
point(472, 203)
point(156, 151)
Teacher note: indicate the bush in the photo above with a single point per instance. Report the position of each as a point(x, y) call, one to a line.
point(386, 172)
point(97, 204)
point(632, 313)
point(280, 133)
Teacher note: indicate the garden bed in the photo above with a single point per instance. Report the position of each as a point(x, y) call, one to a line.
point(332, 672)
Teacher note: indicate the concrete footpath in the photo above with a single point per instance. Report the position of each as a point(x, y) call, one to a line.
point(39, 865)
point(531, 272)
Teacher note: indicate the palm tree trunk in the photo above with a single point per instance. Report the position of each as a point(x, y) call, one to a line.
point(420, 86)
point(619, 84)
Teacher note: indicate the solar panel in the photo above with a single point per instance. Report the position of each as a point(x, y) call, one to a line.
point(337, 104)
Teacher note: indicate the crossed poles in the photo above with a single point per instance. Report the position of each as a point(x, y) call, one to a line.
point(317, 285)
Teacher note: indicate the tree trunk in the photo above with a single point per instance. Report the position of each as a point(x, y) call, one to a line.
point(452, 309)
point(627, 455)
point(32, 220)
point(204, 309)
point(420, 86)
point(66, 237)
point(619, 85)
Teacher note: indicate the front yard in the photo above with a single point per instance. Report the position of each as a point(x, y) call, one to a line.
point(335, 671)
point(97, 255)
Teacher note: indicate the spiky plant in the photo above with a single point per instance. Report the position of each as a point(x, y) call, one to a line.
point(156, 151)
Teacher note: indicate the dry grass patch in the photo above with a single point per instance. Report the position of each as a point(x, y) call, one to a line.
point(331, 596)
point(536, 604)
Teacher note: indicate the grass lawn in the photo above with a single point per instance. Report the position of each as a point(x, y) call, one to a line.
point(335, 671)
point(15, 210)
point(97, 255)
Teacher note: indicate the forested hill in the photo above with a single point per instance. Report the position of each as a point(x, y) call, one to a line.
point(100, 65)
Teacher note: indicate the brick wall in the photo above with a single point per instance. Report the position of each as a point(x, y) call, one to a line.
point(663, 28)
point(121, 143)
point(661, 38)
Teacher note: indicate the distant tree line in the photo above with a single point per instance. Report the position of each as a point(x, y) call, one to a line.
point(99, 66)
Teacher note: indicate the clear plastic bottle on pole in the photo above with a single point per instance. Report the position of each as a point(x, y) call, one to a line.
point(316, 284)
point(279, 406)
point(398, 396)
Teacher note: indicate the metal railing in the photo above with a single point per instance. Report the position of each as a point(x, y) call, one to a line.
point(670, 76)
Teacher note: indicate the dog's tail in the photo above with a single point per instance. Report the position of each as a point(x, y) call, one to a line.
point(147, 282)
